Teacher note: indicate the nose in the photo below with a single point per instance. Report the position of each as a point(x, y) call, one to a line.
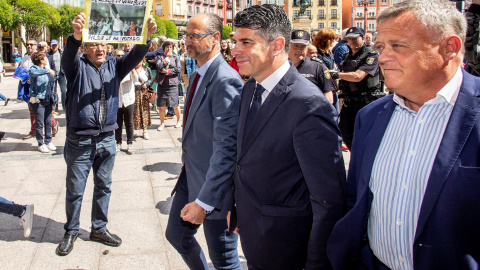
point(236, 50)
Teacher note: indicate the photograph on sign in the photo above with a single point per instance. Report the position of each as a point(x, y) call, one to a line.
point(116, 21)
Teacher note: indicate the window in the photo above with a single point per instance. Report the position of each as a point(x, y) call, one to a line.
point(229, 14)
point(189, 10)
point(334, 3)
point(360, 24)
point(334, 14)
point(384, 2)
point(371, 15)
point(179, 9)
point(212, 10)
point(220, 13)
point(263, 2)
point(205, 10)
point(321, 3)
point(197, 10)
point(295, 14)
point(158, 10)
point(321, 25)
point(308, 13)
point(321, 14)
point(281, 2)
point(333, 25)
point(371, 26)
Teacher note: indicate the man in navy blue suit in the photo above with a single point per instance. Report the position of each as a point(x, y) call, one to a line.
point(290, 178)
point(414, 178)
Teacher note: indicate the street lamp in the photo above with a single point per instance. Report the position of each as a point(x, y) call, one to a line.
point(365, 3)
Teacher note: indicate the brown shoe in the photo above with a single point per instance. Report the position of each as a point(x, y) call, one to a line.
point(55, 129)
point(30, 135)
point(168, 116)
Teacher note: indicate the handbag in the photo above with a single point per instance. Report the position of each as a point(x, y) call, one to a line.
point(150, 95)
point(181, 89)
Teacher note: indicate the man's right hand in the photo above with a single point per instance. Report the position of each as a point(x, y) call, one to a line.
point(52, 72)
point(78, 24)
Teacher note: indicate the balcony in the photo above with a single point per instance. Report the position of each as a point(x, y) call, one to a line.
point(198, 1)
point(220, 4)
point(321, 3)
point(334, 3)
point(359, 16)
point(334, 16)
point(229, 5)
point(212, 3)
point(371, 16)
point(321, 17)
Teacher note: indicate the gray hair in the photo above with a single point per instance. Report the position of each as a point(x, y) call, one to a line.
point(439, 16)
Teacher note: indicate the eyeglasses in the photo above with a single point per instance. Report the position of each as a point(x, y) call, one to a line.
point(31, 44)
point(120, 55)
point(93, 45)
point(198, 36)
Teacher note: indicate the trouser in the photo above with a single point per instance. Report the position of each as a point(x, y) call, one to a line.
point(10, 208)
point(170, 111)
point(125, 115)
point(347, 120)
point(2, 97)
point(43, 119)
point(62, 82)
point(222, 245)
point(83, 153)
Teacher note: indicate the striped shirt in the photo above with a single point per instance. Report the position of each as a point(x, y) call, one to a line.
point(400, 174)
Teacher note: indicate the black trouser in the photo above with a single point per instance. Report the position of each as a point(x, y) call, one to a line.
point(125, 114)
point(347, 120)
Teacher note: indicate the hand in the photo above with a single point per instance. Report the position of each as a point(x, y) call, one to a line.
point(163, 70)
point(144, 86)
point(152, 26)
point(193, 213)
point(52, 72)
point(228, 223)
point(334, 74)
point(28, 81)
point(78, 24)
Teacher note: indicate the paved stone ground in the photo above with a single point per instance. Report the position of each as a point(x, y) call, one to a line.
point(139, 205)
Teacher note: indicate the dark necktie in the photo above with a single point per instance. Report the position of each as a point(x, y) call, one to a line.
point(190, 98)
point(252, 112)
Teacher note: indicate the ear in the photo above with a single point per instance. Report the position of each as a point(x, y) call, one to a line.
point(217, 37)
point(452, 46)
point(278, 45)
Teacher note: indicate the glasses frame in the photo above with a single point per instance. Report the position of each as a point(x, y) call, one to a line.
point(90, 45)
point(30, 44)
point(198, 36)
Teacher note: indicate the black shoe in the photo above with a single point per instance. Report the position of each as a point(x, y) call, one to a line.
point(6, 101)
point(106, 238)
point(2, 134)
point(66, 246)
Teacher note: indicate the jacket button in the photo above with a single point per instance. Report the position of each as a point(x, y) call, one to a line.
point(184, 151)
point(238, 167)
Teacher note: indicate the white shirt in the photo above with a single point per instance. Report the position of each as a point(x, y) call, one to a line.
point(272, 80)
point(400, 174)
point(126, 92)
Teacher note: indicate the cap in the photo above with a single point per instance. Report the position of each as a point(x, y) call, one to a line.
point(355, 32)
point(54, 42)
point(300, 36)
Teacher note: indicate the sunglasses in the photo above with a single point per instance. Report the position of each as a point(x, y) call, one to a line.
point(31, 44)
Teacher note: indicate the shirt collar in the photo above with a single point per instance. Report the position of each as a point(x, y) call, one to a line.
point(271, 81)
point(203, 69)
point(448, 93)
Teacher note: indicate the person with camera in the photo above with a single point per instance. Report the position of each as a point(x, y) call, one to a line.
point(359, 81)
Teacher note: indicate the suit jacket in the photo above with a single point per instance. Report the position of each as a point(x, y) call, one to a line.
point(210, 137)
point(290, 164)
point(448, 230)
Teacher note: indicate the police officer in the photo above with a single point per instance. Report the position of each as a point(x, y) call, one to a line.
point(311, 68)
point(359, 81)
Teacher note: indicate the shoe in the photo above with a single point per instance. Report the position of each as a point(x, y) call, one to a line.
point(55, 112)
point(30, 135)
point(344, 147)
point(51, 147)
point(106, 238)
point(168, 116)
point(66, 246)
point(43, 148)
point(179, 124)
point(146, 136)
point(6, 101)
point(161, 127)
point(26, 220)
point(119, 147)
point(130, 149)
point(55, 129)
point(2, 134)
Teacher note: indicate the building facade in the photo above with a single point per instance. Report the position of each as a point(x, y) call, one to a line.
point(363, 13)
point(172, 10)
point(323, 13)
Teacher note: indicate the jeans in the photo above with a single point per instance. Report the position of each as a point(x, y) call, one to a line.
point(125, 114)
point(2, 97)
point(43, 119)
point(81, 154)
point(10, 208)
point(114, 33)
point(222, 245)
point(170, 111)
point(62, 82)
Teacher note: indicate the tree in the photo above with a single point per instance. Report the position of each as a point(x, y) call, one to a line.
point(172, 31)
point(64, 28)
point(226, 31)
point(35, 15)
point(9, 19)
point(161, 29)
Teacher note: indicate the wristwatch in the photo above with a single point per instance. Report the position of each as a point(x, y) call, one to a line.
point(207, 212)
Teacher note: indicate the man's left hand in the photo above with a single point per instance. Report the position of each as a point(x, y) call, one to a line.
point(152, 26)
point(193, 213)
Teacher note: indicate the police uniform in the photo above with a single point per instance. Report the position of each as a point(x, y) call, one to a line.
point(357, 94)
point(315, 71)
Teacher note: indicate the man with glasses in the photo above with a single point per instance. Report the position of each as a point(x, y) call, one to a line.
point(91, 111)
point(204, 188)
point(56, 54)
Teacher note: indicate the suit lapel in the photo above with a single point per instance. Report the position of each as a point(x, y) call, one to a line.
point(247, 95)
point(271, 103)
point(463, 118)
point(200, 92)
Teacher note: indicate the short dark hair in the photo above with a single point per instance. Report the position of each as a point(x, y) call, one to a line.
point(37, 57)
point(270, 20)
point(166, 43)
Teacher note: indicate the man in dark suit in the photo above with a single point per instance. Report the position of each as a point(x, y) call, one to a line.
point(204, 188)
point(414, 178)
point(290, 178)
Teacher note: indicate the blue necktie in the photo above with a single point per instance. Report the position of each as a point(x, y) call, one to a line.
point(256, 103)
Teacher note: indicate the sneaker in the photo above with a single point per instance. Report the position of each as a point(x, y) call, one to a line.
point(146, 136)
point(119, 147)
point(6, 101)
point(130, 149)
point(26, 220)
point(43, 148)
point(161, 127)
point(51, 147)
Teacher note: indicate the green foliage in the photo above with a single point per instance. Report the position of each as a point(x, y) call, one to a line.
point(64, 28)
point(226, 31)
point(172, 31)
point(161, 29)
point(34, 15)
point(8, 17)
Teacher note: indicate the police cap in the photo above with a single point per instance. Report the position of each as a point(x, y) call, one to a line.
point(355, 32)
point(300, 36)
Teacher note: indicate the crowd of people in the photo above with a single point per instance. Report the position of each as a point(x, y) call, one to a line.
point(263, 126)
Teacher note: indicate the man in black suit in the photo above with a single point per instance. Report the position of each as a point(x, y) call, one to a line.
point(290, 178)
